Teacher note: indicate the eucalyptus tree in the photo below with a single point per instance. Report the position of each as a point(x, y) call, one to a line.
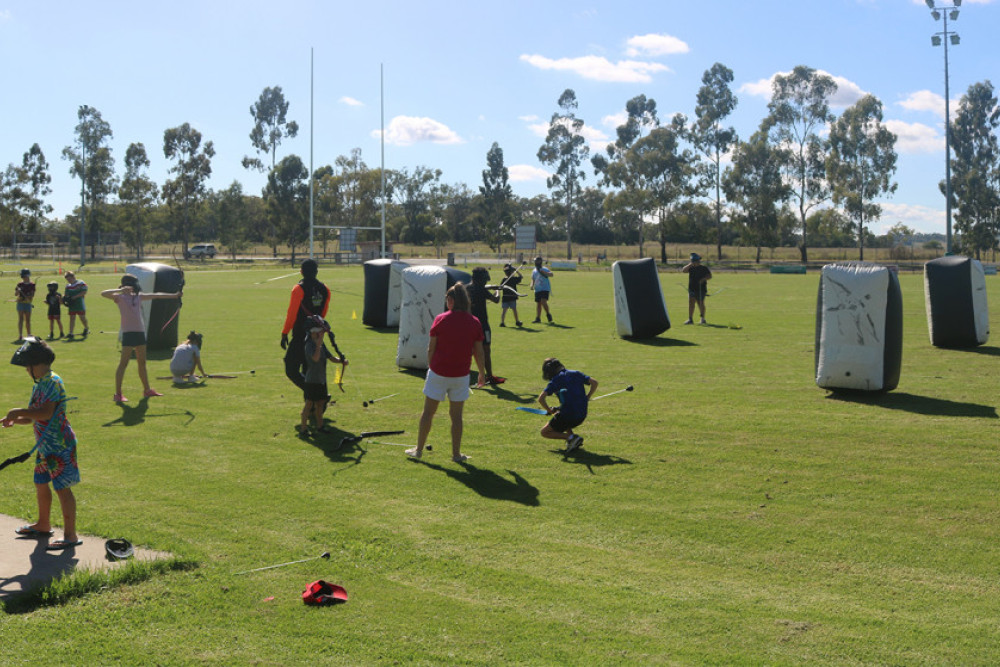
point(191, 170)
point(460, 218)
point(287, 200)
point(565, 151)
point(417, 195)
point(230, 211)
point(754, 185)
point(619, 169)
point(716, 102)
point(91, 161)
point(137, 195)
point(799, 112)
point(271, 126)
point(975, 168)
point(495, 203)
point(861, 163)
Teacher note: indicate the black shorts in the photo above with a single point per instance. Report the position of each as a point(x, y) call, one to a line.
point(561, 423)
point(314, 391)
point(133, 338)
point(541, 296)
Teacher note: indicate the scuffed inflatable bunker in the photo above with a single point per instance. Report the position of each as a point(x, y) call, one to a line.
point(154, 277)
point(955, 291)
point(640, 311)
point(383, 292)
point(859, 328)
point(423, 292)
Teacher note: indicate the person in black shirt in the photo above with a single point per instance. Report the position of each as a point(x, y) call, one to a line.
point(698, 277)
point(478, 295)
point(508, 297)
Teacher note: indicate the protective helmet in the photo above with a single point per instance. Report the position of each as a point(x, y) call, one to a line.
point(25, 272)
point(315, 322)
point(480, 275)
point(551, 368)
point(321, 592)
point(34, 351)
point(695, 257)
point(53, 286)
point(119, 548)
point(130, 280)
point(538, 262)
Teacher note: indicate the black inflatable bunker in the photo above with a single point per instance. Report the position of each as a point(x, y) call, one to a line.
point(383, 292)
point(955, 291)
point(640, 311)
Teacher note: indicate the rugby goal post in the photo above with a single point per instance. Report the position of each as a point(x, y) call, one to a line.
point(34, 250)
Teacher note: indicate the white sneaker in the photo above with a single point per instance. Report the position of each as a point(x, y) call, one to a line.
point(460, 458)
point(412, 453)
point(689, 322)
point(703, 321)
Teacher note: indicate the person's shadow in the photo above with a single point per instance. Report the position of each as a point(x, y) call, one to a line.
point(133, 415)
point(45, 567)
point(590, 459)
point(337, 445)
point(489, 484)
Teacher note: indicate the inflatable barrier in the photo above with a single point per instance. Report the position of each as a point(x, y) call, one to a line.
point(955, 291)
point(383, 292)
point(154, 277)
point(640, 311)
point(859, 328)
point(423, 292)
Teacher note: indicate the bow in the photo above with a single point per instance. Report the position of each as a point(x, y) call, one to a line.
point(503, 283)
point(179, 299)
point(339, 379)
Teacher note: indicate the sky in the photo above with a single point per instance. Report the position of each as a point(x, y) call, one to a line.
point(458, 75)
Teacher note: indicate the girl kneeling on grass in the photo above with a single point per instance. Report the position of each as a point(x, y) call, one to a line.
point(187, 358)
point(129, 300)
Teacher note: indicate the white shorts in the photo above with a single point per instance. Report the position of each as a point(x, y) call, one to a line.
point(439, 387)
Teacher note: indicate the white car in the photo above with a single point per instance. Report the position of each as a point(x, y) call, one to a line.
point(200, 250)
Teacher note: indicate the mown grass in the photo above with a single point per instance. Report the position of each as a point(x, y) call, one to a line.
point(727, 511)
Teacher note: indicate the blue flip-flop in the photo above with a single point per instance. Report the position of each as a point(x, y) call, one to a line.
point(28, 531)
point(59, 545)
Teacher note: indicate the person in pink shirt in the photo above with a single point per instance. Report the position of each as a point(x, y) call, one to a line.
point(129, 300)
point(456, 339)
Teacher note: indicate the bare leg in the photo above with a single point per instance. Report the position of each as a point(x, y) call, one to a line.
point(122, 365)
point(44, 495)
point(455, 411)
point(140, 360)
point(551, 433)
point(68, 503)
point(426, 420)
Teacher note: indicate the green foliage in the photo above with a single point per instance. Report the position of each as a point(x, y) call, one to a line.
point(192, 168)
point(496, 197)
point(271, 126)
point(137, 195)
point(565, 150)
point(725, 512)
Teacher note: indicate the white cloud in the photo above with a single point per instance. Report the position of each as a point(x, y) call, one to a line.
point(531, 118)
point(921, 218)
point(915, 137)
point(847, 93)
point(351, 102)
point(924, 100)
point(653, 45)
point(408, 130)
point(599, 68)
point(520, 173)
point(615, 120)
point(5, 15)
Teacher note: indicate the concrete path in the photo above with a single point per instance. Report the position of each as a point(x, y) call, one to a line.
point(24, 562)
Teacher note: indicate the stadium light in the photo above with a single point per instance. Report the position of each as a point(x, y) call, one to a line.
point(939, 39)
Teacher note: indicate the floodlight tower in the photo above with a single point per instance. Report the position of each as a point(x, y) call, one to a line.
point(944, 12)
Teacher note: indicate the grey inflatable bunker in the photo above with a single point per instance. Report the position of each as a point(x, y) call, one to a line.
point(640, 311)
point(957, 312)
point(157, 313)
point(383, 292)
point(859, 328)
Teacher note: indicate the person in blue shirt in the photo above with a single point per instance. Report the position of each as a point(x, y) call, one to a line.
point(569, 387)
point(543, 288)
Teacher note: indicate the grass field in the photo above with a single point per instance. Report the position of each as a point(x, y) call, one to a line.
point(727, 511)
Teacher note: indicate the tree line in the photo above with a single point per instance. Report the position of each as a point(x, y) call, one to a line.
point(805, 177)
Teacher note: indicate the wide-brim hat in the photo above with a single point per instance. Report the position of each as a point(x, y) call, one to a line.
point(695, 257)
point(119, 548)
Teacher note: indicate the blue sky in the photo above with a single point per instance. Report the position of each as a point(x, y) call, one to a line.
point(461, 75)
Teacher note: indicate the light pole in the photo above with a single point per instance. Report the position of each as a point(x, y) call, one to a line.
point(944, 12)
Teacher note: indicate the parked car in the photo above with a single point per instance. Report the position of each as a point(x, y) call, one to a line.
point(200, 251)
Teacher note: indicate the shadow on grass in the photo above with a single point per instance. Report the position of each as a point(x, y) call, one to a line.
point(76, 584)
point(489, 484)
point(335, 444)
point(921, 405)
point(660, 342)
point(133, 415)
point(507, 395)
point(383, 330)
point(590, 459)
point(986, 351)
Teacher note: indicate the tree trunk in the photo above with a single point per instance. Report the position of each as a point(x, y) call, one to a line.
point(758, 254)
